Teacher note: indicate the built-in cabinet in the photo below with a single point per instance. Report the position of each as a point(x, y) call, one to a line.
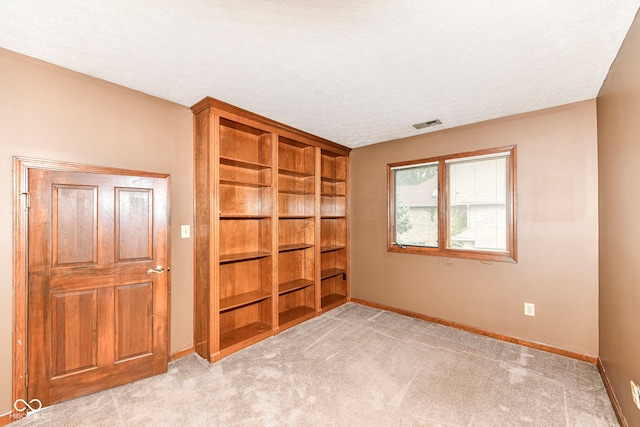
point(271, 229)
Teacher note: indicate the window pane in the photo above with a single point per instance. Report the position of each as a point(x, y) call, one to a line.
point(416, 205)
point(478, 203)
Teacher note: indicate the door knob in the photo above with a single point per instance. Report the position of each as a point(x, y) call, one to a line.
point(159, 270)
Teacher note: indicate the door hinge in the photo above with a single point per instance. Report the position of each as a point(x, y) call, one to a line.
point(27, 198)
point(26, 380)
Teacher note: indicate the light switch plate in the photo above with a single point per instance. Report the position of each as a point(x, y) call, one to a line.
point(185, 231)
point(635, 394)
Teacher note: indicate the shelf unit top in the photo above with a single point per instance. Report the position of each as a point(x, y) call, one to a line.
point(255, 120)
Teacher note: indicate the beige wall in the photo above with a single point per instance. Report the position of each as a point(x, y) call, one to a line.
point(557, 203)
point(51, 113)
point(619, 170)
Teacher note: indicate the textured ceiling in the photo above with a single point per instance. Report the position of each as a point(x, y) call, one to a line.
point(353, 71)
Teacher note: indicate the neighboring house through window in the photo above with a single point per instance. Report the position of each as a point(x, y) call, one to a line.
point(474, 215)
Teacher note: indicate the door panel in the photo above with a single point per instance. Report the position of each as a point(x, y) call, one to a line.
point(134, 322)
point(134, 224)
point(75, 234)
point(74, 324)
point(96, 318)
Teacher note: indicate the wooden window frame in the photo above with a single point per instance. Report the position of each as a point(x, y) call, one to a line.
point(509, 255)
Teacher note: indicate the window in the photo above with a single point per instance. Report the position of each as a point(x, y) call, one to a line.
point(461, 205)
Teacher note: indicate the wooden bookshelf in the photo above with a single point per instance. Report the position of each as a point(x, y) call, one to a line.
point(271, 244)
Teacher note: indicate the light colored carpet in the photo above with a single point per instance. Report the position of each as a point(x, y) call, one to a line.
point(356, 366)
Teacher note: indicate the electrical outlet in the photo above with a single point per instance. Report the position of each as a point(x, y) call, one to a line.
point(529, 309)
point(635, 394)
point(185, 231)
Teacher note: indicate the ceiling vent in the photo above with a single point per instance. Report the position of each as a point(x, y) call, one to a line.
point(428, 124)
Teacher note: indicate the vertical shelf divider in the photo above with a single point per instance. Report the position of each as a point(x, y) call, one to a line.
point(318, 229)
point(275, 223)
point(214, 225)
point(348, 231)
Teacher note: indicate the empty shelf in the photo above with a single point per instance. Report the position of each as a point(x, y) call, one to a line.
point(329, 248)
point(296, 313)
point(333, 299)
point(243, 163)
point(243, 183)
point(297, 192)
point(291, 172)
point(332, 272)
point(294, 247)
point(233, 216)
point(243, 299)
point(244, 256)
point(332, 179)
point(244, 333)
point(294, 285)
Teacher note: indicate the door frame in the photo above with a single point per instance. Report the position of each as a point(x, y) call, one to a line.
point(21, 167)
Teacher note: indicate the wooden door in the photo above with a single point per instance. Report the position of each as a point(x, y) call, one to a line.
point(97, 307)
